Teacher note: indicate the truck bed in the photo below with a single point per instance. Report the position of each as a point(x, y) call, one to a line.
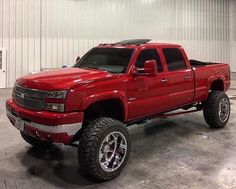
point(197, 63)
point(205, 73)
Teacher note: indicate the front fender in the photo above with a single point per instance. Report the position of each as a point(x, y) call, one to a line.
point(87, 101)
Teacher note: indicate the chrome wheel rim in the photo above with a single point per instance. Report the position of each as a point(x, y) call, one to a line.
point(112, 151)
point(224, 110)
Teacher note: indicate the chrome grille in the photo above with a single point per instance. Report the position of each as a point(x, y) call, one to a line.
point(29, 98)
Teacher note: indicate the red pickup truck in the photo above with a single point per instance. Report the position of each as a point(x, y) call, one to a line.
point(110, 88)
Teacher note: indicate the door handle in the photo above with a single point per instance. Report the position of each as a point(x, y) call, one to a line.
point(164, 80)
point(187, 77)
point(3, 71)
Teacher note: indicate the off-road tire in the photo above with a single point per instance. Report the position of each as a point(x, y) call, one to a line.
point(36, 142)
point(89, 147)
point(211, 109)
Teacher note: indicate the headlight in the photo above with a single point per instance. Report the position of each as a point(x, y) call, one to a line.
point(55, 107)
point(57, 94)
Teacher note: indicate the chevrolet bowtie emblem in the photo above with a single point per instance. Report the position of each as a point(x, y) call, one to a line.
point(23, 95)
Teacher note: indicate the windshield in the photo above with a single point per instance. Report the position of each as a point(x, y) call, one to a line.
point(113, 60)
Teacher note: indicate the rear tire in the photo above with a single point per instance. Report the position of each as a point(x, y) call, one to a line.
point(36, 142)
point(104, 149)
point(216, 109)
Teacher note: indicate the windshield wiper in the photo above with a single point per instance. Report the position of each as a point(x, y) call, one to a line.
point(95, 68)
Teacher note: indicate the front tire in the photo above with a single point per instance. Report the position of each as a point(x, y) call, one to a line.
point(216, 109)
point(36, 142)
point(104, 149)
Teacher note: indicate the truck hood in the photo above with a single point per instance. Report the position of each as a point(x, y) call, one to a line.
point(63, 79)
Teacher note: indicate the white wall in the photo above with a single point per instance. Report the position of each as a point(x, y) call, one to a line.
point(51, 33)
point(233, 34)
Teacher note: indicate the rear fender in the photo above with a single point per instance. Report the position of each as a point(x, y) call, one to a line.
point(210, 82)
point(212, 79)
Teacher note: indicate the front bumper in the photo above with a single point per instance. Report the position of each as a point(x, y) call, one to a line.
point(44, 125)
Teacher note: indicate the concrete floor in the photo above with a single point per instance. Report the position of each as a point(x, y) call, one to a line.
point(179, 152)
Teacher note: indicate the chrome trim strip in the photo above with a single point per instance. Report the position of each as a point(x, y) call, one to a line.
point(24, 88)
point(70, 129)
point(32, 93)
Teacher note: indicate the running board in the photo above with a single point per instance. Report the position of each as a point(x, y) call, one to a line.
point(165, 115)
point(177, 113)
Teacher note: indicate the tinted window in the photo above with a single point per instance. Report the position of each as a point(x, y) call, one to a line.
point(149, 54)
point(113, 60)
point(174, 59)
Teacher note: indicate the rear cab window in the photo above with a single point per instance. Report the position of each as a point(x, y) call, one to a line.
point(174, 59)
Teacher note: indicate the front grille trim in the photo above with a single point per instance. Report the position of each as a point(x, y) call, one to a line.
point(32, 99)
point(34, 93)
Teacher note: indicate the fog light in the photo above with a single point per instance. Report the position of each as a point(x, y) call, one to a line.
point(54, 107)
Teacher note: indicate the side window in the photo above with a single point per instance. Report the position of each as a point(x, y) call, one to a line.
point(174, 59)
point(149, 54)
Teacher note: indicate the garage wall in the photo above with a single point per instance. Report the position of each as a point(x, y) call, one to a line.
point(233, 34)
point(49, 33)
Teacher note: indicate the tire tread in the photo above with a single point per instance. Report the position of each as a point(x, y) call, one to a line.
point(210, 109)
point(87, 147)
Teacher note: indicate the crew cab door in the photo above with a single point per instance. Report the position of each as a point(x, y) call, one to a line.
point(146, 94)
point(180, 77)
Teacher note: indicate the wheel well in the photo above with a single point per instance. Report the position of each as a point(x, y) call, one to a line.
point(112, 108)
point(217, 85)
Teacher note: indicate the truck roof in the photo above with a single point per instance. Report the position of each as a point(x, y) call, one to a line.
point(134, 43)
